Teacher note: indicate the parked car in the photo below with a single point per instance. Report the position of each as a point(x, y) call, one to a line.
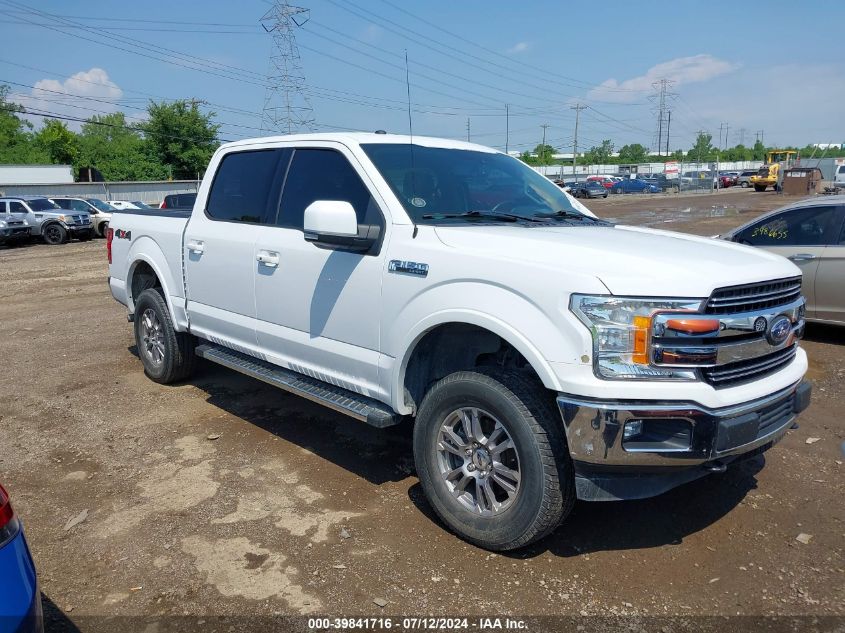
point(634, 185)
point(47, 220)
point(605, 181)
point(452, 284)
point(725, 181)
point(99, 211)
point(179, 201)
point(811, 233)
point(122, 204)
point(662, 182)
point(590, 189)
point(20, 598)
point(743, 180)
point(839, 177)
point(13, 230)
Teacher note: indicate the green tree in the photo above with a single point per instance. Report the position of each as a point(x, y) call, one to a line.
point(16, 138)
point(118, 150)
point(599, 155)
point(633, 153)
point(703, 148)
point(739, 152)
point(182, 137)
point(758, 152)
point(60, 144)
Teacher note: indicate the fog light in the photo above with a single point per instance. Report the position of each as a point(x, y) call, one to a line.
point(632, 429)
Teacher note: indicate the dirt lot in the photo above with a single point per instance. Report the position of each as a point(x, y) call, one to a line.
point(223, 496)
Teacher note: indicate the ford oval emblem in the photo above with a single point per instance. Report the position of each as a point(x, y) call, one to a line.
point(779, 330)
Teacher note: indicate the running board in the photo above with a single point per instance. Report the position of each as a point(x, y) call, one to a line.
point(360, 407)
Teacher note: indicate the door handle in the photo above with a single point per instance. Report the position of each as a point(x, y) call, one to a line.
point(268, 258)
point(802, 257)
point(195, 246)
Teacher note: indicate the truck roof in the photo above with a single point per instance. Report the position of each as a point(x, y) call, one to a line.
point(358, 138)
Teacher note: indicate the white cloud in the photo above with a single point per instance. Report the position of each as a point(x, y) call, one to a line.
point(68, 97)
point(682, 70)
point(519, 47)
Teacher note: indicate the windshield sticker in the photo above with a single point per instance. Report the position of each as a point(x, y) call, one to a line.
point(418, 202)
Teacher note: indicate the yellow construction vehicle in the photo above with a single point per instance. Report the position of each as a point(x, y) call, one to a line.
point(776, 161)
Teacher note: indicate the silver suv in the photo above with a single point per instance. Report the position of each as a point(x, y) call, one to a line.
point(99, 211)
point(47, 220)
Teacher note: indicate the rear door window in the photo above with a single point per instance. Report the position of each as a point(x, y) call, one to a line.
point(246, 186)
point(808, 226)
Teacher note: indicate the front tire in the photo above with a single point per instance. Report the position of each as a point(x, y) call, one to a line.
point(54, 234)
point(491, 457)
point(759, 188)
point(168, 356)
point(104, 226)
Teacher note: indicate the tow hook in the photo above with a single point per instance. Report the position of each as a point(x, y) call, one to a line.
point(716, 467)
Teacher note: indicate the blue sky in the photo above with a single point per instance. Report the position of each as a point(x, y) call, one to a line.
point(779, 70)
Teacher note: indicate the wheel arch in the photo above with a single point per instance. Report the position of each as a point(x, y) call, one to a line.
point(480, 338)
point(144, 272)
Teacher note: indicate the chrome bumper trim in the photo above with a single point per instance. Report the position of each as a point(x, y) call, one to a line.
point(594, 428)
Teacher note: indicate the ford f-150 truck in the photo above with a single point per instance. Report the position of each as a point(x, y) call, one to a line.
point(541, 353)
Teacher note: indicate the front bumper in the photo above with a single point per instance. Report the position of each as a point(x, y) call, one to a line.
point(79, 228)
point(678, 441)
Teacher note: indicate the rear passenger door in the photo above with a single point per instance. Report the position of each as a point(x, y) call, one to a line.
point(830, 278)
point(219, 245)
point(800, 235)
point(318, 307)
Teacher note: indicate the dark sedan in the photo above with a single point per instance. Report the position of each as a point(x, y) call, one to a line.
point(592, 189)
point(634, 185)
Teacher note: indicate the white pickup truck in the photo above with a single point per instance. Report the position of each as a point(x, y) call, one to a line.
point(542, 353)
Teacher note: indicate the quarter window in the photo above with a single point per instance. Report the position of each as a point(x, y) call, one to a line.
point(810, 226)
point(323, 174)
point(243, 187)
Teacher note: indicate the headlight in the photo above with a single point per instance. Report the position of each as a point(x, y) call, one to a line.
point(64, 218)
point(621, 328)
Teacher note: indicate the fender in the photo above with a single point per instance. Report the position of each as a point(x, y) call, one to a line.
point(531, 319)
point(145, 249)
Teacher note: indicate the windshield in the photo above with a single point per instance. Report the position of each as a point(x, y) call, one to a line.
point(99, 204)
point(141, 205)
point(41, 204)
point(434, 182)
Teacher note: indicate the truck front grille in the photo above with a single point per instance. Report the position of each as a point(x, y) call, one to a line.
point(751, 297)
point(747, 370)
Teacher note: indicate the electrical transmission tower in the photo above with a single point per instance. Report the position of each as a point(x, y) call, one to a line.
point(286, 105)
point(661, 97)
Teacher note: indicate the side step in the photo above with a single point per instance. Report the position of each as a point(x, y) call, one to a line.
point(360, 407)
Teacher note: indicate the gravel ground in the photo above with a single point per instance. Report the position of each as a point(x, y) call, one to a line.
point(225, 497)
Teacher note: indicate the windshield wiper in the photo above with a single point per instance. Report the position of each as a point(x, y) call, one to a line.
point(573, 215)
point(483, 213)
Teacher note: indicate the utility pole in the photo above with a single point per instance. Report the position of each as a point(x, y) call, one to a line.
point(760, 136)
point(577, 107)
point(507, 126)
point(742, 136)
point(721, 125)
point(467, 129)
point(286, 104)
point(727, 131)
point(543, 144)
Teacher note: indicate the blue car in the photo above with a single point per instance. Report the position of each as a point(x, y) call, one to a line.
point(20, 599)
point(633, 185)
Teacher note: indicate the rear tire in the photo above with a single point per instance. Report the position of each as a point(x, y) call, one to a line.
point(168, 356)
point(481, 500)
point(759, 188)
point(54, 234)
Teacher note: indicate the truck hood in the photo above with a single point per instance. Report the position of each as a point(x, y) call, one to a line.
point(627, 260)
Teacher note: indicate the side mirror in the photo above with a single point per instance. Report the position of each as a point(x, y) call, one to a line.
point(334, 224)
